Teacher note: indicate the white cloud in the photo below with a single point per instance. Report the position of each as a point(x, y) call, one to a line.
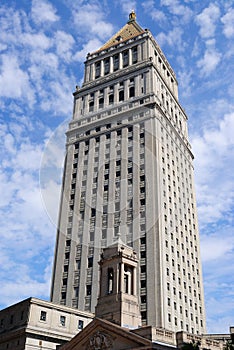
point(89, 20)
point(228, 23)
point(14, 82)
point(214, 152)
point(128, 6)
point(64, 44)
point(211, 58)
point(215, 247)
point(172, 38)
point(154, 13)
point(207, 20)
point(39, 40)
point(43, 11)
point(177, 9)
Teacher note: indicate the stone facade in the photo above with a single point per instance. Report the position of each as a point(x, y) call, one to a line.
point(129, 169)
point(36, 324)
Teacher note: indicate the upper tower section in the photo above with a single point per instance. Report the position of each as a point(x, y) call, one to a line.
point(131, 46)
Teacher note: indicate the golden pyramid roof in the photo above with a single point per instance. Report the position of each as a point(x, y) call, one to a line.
point(130, 30)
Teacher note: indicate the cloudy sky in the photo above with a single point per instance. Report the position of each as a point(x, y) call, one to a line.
point(43, 45)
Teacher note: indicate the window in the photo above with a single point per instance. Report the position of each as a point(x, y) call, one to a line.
point(125, 59)
point(97, 70)
point(107, 66)
point(121, 95)
point(62, 321)
point(111, 99)
point(91, 106)
point(90, 262)
point(132, 91)
point(43, 316)
point(116, 62)
point(110, 280)
point(80, 324)
point(88, 290)
point(134, 54)
point(101, 102)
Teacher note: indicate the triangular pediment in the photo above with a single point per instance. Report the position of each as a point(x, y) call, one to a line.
point(104, 335)
point(130, 30)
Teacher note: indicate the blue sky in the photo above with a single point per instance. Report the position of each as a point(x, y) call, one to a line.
point(43, 45)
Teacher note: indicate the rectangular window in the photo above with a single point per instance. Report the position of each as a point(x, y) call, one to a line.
point(132, 91)
point(107, 66)
point(125, 59)
point(80, 324)
point(116, 62)
point(43, 316)
point(134, 54)
point(111, 99)
point(121, 95)
point(101, 102)
point(97, 70)
point(91, 106)
point(62, 321)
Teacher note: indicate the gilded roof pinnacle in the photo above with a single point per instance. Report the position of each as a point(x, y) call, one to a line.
point(132, 16)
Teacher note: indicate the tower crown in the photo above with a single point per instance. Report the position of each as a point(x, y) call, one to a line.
point(118, 300)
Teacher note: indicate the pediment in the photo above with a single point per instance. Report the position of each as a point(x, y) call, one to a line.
point(104, 335)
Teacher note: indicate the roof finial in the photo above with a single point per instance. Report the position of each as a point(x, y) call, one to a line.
point(132, 16)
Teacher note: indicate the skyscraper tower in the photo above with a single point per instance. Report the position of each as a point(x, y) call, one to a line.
point(128, 174)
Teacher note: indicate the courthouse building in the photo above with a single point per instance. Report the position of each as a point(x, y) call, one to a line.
point(127, 267)
point(129, 172)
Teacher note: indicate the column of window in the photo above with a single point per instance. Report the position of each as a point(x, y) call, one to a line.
point(142, 199)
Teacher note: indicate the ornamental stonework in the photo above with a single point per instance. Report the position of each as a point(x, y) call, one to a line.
point(100, 341)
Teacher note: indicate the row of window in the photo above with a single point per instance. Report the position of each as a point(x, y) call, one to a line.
point(62, 320)
point(119, 60)
point(187, 326)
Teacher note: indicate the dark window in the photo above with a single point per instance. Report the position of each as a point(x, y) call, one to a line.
point(134, 54)
point(63, 321)
point(106, 66)
point(63, 295)
point(90, 262)
point(125, 59)
point(132, 91)
point(88, 290)
point(101, 102)
point(43, 316)
point(121, 95)
point(111, 99)
point(80, 324)
point(116, 62)
point(91, 105)
point(97, 70)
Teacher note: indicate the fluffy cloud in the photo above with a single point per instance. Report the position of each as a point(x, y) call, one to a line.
point(89, 21)
point(43, 11)
point(127, 7)
point(177, 9)
point(172, 38)
point(14, 81)
point(213, 150)
point(228, 23)
point(155, 13)
point(207, 20)
point(211, 58)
